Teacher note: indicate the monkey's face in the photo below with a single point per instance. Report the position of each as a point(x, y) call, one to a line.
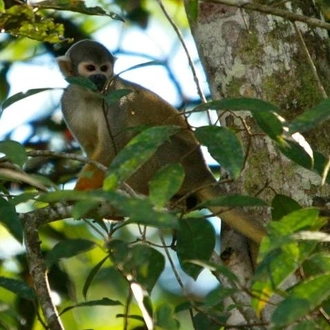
point(98, 73)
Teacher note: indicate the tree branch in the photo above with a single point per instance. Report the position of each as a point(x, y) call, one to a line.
point(38, 272)
point(314, 22)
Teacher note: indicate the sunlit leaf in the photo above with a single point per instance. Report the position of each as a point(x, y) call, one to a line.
point(224, 146)
point(165, 183)
point(76, 6)
point(14, 151)
point(9, 218)
point(24, 21)
point(194, 233)
point(18, 287)
point(279, 248)
point(304, 298)
point(68, 249)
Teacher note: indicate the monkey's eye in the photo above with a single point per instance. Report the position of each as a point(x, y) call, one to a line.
point(104, 68)
point(90, 67)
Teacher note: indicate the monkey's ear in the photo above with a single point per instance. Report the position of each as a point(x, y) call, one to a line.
point(65, 65)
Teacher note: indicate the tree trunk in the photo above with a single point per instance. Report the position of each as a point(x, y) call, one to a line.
point(250, 54)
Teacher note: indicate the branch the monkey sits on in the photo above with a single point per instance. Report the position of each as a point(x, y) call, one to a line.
point(103, 130)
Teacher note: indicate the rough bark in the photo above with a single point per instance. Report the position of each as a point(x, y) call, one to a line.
point(250, 54)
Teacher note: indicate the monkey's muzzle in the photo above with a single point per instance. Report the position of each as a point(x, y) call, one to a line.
point(99, 80)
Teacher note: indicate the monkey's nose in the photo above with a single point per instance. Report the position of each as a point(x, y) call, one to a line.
point(99, 80)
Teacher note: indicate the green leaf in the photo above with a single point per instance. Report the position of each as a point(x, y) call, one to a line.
point(192, 10)
point(136, 153)
point(92, 303)
point(218, 268)
point(270, 123)
point(141, 261)
point(233, 104)
point(165, 318)
point(233, 201)
point(269, 276)
point(224, 146)
point(77, 6)
point(142, 212)
point(218, 295)
point(279, 248)
point(305, 297)
point(118, 251)
point(202, 321)
point(146, 264)
point(82, 208)
point(20, 96)
point(91, 276)
point(300, 219)
point(14, 151)
point(114, 97)
point(18, 287)
point(66, 195)
point(296, 153)
point(165, 183)
point(311, 118)
point(195, 241)
point(9, 218)
point(283, 205)
point(68, 249)
point(23, 21)
point(2, 6)
point(82, 82)
point(317, 263)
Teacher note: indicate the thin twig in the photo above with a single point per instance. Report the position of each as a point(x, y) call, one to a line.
point(310, 61)
point(191, 63)
point(38, 273)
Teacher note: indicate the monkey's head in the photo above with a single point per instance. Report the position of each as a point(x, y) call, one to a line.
point(88, 59)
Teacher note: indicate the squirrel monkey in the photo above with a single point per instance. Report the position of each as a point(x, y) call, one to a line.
point(103, 130)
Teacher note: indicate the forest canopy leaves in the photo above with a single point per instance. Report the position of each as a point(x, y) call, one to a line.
point(165, 183)
point(311, 118)
point(67, 249)
point(14, 151)
point(224, 146)
point(136, 153)
point(18, 287)
point(10, 219)
point(191, 235)
point(238, 104)
point(305, 297)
